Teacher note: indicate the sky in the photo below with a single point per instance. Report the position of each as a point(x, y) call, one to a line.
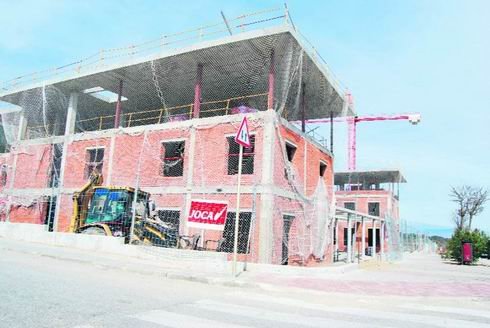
point(394, 56)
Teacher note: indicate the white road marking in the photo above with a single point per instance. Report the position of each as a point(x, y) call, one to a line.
point(275, 316)
point(429, 319)
point(447, 309)
point(176, 320)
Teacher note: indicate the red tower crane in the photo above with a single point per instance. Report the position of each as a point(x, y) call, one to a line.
point(352, 121)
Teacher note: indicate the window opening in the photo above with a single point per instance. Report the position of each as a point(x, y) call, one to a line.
point(173, 159)
point(350, 206)
point(234, 153)
point(94, 160)
point(243, 232)
point(290, 151)
point(373, 209)
point(287, 222)
point(323, 168)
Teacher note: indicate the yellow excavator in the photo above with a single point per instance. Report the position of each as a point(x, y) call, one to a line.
point(108, 210)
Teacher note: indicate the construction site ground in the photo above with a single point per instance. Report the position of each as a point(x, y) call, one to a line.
point(419, 290)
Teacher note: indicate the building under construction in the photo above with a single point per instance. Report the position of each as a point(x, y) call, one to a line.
point(161, 117)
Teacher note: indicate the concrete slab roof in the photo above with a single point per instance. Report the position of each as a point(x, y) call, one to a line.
point(234, 66)
point(369, 177)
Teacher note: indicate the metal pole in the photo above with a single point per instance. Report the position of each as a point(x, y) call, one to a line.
point(270, 95)
point(303, 109)
point(331, 132)
point(237, 216)
point(374, 239)
point(197, 91)
point(336, 249)
point(226, 23)
point(349, 241)
point(136, 189)
point(382, 239)
point(117, 119)
point(363, 238)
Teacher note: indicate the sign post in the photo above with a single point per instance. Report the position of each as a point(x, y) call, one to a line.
point(243, 139)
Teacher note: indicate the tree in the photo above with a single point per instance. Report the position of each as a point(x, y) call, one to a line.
point(478, 197)
point(478, 239)
point(470, 201)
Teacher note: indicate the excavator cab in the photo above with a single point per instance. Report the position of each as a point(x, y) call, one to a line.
point(112, 207)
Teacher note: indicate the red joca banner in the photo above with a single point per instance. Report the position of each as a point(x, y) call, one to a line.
point(207, 214)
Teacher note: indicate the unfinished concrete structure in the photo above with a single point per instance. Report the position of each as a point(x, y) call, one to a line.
point(376, 195)
point(161, 119)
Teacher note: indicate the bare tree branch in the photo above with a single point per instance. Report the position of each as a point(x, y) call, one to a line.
point(470, 201)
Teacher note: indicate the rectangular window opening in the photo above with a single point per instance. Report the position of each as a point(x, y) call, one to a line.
point(373, 209)
point(243, 233)
point(173, 159)
point(234, 153)
point(350, 206)
point(94, 161)
point(323, 168)
point(290, 151)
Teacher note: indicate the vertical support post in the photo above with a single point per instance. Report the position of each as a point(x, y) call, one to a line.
point(265, 223)
point(71, 114)
point(117, 119)
point(303, 108)
point(336, 249)
point(197, 91)
point(374, 239)
point(382, 239)
point(363, 238)
point(270, 95)
point(351, 149)
point(237, 215)
point(190, 175)
point(21, 134)
point(331, 132)
point(349, 241)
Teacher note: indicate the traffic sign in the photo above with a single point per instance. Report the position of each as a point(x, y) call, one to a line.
point(243, 136)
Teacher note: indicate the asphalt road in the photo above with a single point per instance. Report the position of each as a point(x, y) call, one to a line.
point(37, 290)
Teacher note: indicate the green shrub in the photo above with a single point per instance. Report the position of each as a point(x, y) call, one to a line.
point(477, 238)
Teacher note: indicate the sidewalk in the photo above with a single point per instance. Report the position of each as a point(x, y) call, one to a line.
point(198, 266)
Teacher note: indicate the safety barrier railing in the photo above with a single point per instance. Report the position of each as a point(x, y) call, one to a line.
point(184, 112)
point(241, 23)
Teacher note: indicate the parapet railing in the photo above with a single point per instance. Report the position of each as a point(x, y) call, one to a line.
point(246, 22)
point(184, 112)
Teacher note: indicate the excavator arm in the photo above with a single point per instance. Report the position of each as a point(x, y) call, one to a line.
point(81, 201)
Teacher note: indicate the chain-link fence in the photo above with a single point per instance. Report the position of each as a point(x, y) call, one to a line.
point(123, 150)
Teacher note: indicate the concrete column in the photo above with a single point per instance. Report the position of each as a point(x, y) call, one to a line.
point(21, 133)
point(71, 114)
point(363, 238)
point(69, 130)
point(374, 239)
point(265, 223)
point(197, 91)
point(117, 118)
point(349, 241)
point(270, 96)
point(382, 241)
